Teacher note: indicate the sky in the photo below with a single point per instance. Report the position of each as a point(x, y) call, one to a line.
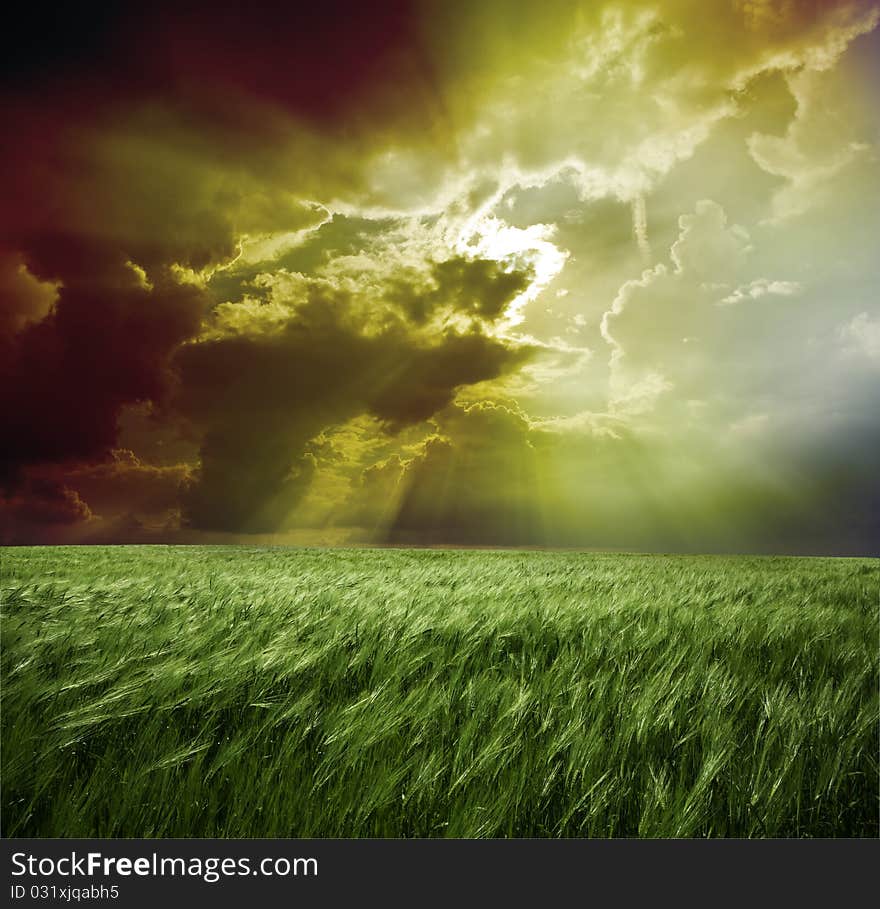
point(530, 274)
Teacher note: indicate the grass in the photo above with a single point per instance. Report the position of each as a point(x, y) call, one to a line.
point(161, 691)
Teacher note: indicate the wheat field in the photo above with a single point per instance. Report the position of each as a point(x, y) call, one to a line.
point(152, 691)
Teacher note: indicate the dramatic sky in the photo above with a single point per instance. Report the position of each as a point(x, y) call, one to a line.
point(544, 273)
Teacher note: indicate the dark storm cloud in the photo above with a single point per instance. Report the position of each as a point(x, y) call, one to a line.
point(64, 379)
point(102, 228)
point(95, 221)
point(144, 140)
point(260, 398)
point(124, 482)
point(40, 511)
point(120, 499)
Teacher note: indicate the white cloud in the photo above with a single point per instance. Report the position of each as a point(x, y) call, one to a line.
point(707, 246)
point(861, 337)
point(761, 287)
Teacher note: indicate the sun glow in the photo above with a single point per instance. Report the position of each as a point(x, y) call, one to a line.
point(529, 248)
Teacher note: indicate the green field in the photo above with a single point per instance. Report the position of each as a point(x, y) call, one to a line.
point(210, 691)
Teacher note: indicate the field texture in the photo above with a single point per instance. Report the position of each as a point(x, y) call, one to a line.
point(158, 691)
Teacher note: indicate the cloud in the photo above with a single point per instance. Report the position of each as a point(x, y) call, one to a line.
point(41, 510)
point(475, 287)
point(861, 337)
point(120, 499)
point(678, 335)
point(125, 484)
point(707, 247)
point(26, 299)
point(105, 343)
point(259, 397)
point(659, 326)
point(761, 287)
point(831, 131)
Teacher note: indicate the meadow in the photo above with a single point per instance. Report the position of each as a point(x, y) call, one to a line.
point(158, 691)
